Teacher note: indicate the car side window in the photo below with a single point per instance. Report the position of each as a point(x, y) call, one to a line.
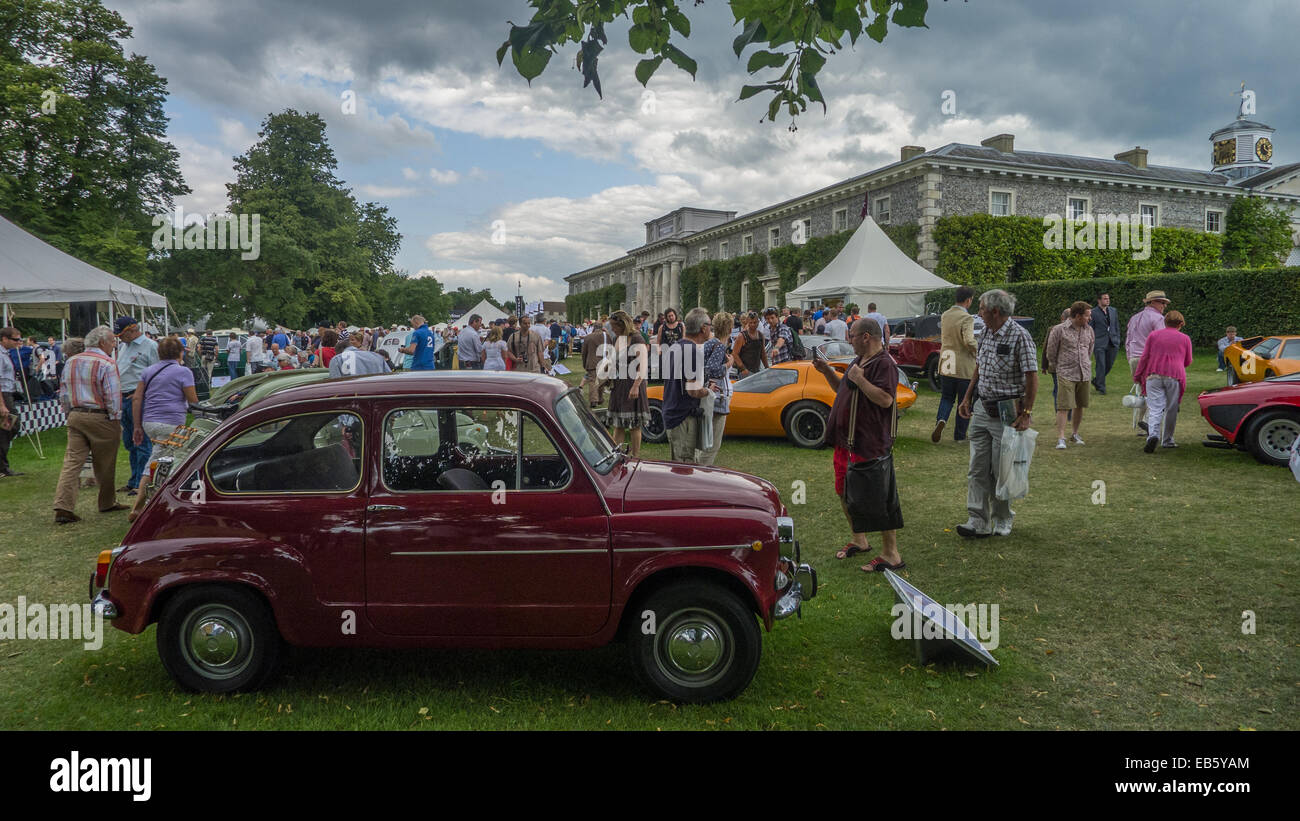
point(1266, 348)
point(1291, 350)
point(470, 449)
point(319, 452)
point(766, 381)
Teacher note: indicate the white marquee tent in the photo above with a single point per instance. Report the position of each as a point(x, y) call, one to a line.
point(39, 281)
point(870, 268)
point(485, 309)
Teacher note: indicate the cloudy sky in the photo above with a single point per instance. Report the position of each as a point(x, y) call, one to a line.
point(494, 182)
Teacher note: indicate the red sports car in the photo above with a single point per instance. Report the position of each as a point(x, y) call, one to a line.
point(1261, 417)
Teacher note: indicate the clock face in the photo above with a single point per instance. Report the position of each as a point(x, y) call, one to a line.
point(1264, 149)
point(1225, 152)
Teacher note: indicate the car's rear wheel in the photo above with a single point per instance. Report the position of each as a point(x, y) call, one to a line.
point(217, 639)
point(695, 642)
point(654, 429)
point(1232, 374)
point(932, 373)
point(1271, 435)
point(805, 423)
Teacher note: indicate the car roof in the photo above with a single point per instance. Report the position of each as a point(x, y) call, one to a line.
point(539, 387)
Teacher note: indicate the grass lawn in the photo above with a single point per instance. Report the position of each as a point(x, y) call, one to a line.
point(1123, 615)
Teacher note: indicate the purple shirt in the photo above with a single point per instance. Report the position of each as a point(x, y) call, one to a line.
point(1140, 326)
point(164, 396)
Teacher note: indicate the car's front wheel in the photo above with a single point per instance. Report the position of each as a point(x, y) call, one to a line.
point(654, 429)
point(695, 642)
point(806, 422)
point(1272, 434)
point(932, 374)
point(217, 639)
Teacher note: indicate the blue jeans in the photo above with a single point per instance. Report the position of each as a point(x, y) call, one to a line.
point(953, 391)
point(1223, 363)
point(232, 365)
point(139, 453)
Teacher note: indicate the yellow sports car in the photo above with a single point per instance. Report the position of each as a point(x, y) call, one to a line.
point(791, 399)
point(1259, 357)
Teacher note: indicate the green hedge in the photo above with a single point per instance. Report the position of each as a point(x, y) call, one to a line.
point(699, 283)
point(980, 249)
point(1258, 301)
point(591, 304)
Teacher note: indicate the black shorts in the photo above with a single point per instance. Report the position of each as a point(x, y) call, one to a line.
point(871, 496)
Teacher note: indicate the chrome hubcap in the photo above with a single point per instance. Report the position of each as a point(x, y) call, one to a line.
point(1277, 437)
point(215, 641)
point(694, 647)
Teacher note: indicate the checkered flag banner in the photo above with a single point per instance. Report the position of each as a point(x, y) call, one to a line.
point(40, 416)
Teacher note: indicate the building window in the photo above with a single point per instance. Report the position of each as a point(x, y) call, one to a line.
point(882, 211)
point(704, 252)
point(1076, 208)
point(807, 230)
point(840, 219)
point(723, 248)
point(1001, 203)
point(1150, 214)
point(773, 237)
point(1213, 221)
point(747, 244)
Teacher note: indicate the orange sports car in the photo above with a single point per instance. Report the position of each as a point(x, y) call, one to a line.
point(791, 399)
point(1259, 357)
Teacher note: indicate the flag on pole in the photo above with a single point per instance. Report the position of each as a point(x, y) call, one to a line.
point(865, 208)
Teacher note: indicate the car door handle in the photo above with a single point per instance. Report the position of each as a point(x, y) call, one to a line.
point(377, 508)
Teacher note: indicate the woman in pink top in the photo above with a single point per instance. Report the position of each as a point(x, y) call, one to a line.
point(1163, 371)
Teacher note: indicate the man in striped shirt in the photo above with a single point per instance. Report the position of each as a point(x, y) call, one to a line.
point(91, 395)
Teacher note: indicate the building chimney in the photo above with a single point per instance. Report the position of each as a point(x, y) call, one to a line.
point(910, 151)
point(1002, 142)
point(1136, 158)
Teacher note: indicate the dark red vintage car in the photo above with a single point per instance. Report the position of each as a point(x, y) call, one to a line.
point(457, 509)
point(1261, 417)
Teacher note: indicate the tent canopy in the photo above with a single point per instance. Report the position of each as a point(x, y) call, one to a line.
point(36, 274)
point(485, 309)
point(871, 268)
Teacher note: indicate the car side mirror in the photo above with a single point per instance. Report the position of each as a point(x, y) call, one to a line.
point(625, 448)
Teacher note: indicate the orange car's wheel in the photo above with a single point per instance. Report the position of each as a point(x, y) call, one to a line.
point(654, 429)
point(805, 423)
point(1232, 374)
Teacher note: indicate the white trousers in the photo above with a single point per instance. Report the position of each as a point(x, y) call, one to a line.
point(1163, 396)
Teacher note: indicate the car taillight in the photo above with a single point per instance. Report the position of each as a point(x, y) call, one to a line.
point(104, 562)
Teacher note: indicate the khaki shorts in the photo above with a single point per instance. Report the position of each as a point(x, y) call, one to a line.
point(1071, 395)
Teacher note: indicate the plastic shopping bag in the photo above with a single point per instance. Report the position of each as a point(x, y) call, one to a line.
point(1137, 402)
point(1013, 462)
point(1295, 458)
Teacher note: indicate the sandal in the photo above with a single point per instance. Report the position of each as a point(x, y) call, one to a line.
point(851, 549)
point(879, 565)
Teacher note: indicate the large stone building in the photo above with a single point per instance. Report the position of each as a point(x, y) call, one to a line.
point(993, 177)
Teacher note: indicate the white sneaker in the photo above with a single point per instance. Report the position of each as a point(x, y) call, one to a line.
point(1218, 370)
point(1001, 527)
point(1075, 439)
point(1060, 444)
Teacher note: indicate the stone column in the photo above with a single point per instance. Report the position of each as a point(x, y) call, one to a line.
point(665, 296)
point(674, 286)
point(930, 190)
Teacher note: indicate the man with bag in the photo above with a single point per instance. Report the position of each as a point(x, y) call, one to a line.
point(1001, 394)
point(862, 426)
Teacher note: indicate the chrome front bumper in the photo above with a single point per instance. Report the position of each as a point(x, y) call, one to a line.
point(801, 586)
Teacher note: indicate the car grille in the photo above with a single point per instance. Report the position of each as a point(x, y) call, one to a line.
point(1228, 416)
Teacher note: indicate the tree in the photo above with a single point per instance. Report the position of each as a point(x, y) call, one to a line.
point(406, 296)
point(462, 299)
point(84, 161)
point(1255, 235)
point(792, 38)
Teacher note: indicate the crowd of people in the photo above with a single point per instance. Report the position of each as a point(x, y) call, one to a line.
point(121, 385)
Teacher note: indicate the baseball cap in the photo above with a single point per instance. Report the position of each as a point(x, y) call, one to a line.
point(122, 323)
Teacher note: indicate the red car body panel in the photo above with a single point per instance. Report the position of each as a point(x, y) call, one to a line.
point(1231, 410)
point(550, 568)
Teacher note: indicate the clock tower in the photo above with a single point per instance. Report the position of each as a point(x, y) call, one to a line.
point(1243, 147)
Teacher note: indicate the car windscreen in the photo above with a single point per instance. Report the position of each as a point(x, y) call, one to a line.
point(588, 435)
point(766, 381)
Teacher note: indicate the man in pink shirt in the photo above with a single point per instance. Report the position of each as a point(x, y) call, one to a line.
point(1143, 323)
point(1163, 371)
